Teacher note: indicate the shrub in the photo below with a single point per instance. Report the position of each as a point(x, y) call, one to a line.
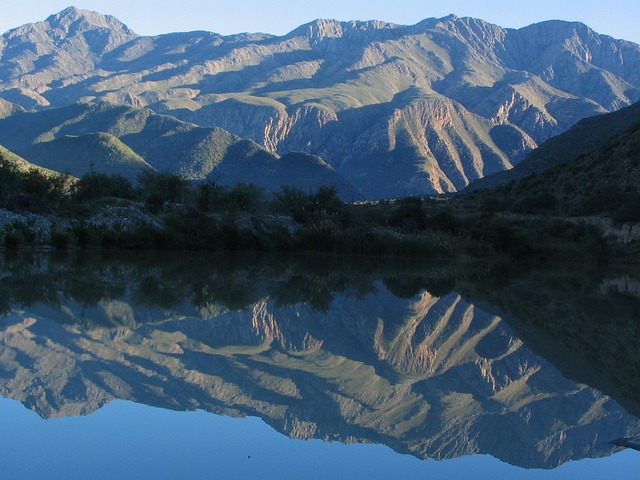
point(208, 196)
point(444, 220)
point(9, 179)
point(49, 187)
point(292, 201)
point(408, 216)
point(158, 188)
point(629, 211)
point(61, 239)
point(13, 240)
point(540, 203)
point(18, 235)
point(85, 235)
point(320, 207)
point(244, 197)
point(99, 185)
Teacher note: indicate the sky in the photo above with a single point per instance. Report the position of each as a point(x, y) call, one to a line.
point(618, 18)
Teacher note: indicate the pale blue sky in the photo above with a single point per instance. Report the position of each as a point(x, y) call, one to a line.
point(618, 18)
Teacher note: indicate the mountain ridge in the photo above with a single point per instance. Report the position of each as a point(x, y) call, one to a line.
point(112, 139)
point(79, 155)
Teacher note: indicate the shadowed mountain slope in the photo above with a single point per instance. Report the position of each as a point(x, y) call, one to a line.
point(586, 137)
point(578, 174)
point(20, 163)
point(94, 152)
point(119, 139)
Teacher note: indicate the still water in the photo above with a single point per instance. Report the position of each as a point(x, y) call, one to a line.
point(199, 366)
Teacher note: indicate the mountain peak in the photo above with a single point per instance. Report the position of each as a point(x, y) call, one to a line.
point(72, 15)
point(367, 96)
point(69, 12)
point(320, 29)
point(562, 28)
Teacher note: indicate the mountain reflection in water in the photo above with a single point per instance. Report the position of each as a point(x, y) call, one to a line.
point(334, 350)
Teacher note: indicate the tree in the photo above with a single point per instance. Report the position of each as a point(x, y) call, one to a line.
point(159, 188)
point(99, 185)
point(10, 179)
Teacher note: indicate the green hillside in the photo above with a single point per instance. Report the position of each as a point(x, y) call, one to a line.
point(18, 162)
point(118, 139)
point(94, 152)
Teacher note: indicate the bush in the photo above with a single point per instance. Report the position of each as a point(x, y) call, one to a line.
point(445, 221)
point(33, 190)
point(19, 235)
point(159, 188)
point(61, 240)
point(540, 203)
point(292, 201)
point(50, 187)
point(13, 240)
point(208, 197)
point(322, 206)
point(408, 215)
point(99, 185)
point(85, 235)
point(244, 197)
point(10, 179)
point(629, 211)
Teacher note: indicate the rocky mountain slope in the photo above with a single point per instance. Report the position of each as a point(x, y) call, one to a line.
point(586, 137)
point(433, 376)
point(578, 174)
point(395, 109)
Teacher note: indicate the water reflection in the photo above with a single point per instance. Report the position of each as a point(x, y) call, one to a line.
point(416, 357)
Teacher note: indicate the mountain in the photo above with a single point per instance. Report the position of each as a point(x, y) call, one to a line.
point(56, 52)
point(581, 320)
point(17, 161)
point(434, 376)
point(585, 137)
point(80, 155)
point(397, 110)
point(584, 172)
point(108, 138)
point(13, 161)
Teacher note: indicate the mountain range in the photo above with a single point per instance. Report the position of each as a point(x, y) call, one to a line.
point(392, 110)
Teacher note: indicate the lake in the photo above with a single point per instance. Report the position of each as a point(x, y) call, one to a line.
point(144, 365)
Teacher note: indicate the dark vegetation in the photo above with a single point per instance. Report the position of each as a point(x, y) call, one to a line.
point(603, 182)
point(163, 211)
point(34, 189)
point(232, 281)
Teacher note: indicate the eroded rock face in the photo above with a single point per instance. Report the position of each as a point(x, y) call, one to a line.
point(340, 90)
